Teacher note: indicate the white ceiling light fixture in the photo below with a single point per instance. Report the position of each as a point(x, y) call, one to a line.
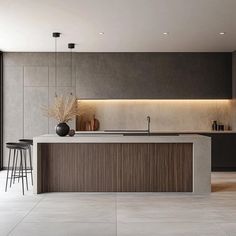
point(166, 33)
point(101, 33)
point(222, 33)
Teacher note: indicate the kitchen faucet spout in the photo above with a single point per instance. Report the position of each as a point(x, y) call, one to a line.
point(148, 123)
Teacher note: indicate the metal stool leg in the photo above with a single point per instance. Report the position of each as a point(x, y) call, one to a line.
point(13, 167)
point(16, 161)
point(21, 169)
point(24, 153)
point(31, 167)
point(8, 169)
point(19, 166)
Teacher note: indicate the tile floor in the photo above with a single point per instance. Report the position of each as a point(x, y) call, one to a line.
point(122, 214)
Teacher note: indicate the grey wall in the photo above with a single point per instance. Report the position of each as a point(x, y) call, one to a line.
point(166, 115)
point(29, 84)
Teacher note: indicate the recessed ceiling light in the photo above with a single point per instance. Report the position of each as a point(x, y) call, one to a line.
point(166, 33)
point(101, 33)
point(222, 33)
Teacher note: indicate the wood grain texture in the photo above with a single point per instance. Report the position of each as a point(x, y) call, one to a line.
point(136, 167)
point(155, 168)
point(171, 167)
point(79, 167)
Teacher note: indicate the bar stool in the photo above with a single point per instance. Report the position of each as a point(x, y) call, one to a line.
point(30, 143)
point(18, 149)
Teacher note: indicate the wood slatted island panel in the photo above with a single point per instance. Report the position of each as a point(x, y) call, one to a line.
point(117, 163)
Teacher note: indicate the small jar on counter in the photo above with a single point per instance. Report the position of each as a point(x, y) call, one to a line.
point(221, 127)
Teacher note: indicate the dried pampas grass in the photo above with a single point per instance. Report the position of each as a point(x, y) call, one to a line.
point(63, 110)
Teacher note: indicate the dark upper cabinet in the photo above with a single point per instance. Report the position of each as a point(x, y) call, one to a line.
point(234, 74)
point(154, 75)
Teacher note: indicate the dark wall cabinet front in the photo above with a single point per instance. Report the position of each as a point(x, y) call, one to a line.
point(1, 111)
point(234, 74)
point(223, 148)
point(154, 75)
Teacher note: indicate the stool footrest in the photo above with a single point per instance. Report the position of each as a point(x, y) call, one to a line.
point(17, 176)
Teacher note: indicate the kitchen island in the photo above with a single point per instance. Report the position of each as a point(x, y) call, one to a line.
point(122, 163)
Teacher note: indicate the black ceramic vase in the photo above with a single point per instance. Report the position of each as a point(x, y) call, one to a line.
point(62, 129)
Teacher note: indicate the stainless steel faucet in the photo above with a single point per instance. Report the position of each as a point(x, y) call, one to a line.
point(148, 123)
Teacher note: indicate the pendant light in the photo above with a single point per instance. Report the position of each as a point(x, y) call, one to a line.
point(56, 35)
point(71, 46)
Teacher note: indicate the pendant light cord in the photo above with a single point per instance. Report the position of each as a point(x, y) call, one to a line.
point(71, 69)
point(56, 35)
point(55, 67)
point(71, 46)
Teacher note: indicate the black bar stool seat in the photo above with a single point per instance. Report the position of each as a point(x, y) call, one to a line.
point(20, 146)
point(29, 141)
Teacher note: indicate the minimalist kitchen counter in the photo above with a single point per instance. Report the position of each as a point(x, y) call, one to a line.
point(158, 132)
point(104, 137)
point(114, 162)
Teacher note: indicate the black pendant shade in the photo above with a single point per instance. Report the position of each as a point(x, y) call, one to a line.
point(71, 45)
point(56, 34)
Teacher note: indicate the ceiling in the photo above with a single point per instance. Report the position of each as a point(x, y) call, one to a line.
point(128, 25)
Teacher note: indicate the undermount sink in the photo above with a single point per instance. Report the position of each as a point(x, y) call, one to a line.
point(125, 131)
point(129, 132)
point(150, 134)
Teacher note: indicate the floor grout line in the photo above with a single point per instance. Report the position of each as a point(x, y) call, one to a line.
point(25, 216)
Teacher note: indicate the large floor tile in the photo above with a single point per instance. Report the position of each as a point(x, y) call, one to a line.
point(140, 214)
point(64, 229)
point(229, 228)
point(157, 208)
point(6, 227)
point(75, 208)
point(170, 229)
point(16, 206)
point(9, 217)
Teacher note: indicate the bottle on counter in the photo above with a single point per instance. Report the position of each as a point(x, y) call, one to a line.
point(228, 127)
point(214, 125)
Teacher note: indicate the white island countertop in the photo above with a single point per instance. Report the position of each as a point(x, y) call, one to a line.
point(122, 138)
point(158, 132)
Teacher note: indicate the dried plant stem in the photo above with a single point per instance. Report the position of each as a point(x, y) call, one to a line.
point(63, 110)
